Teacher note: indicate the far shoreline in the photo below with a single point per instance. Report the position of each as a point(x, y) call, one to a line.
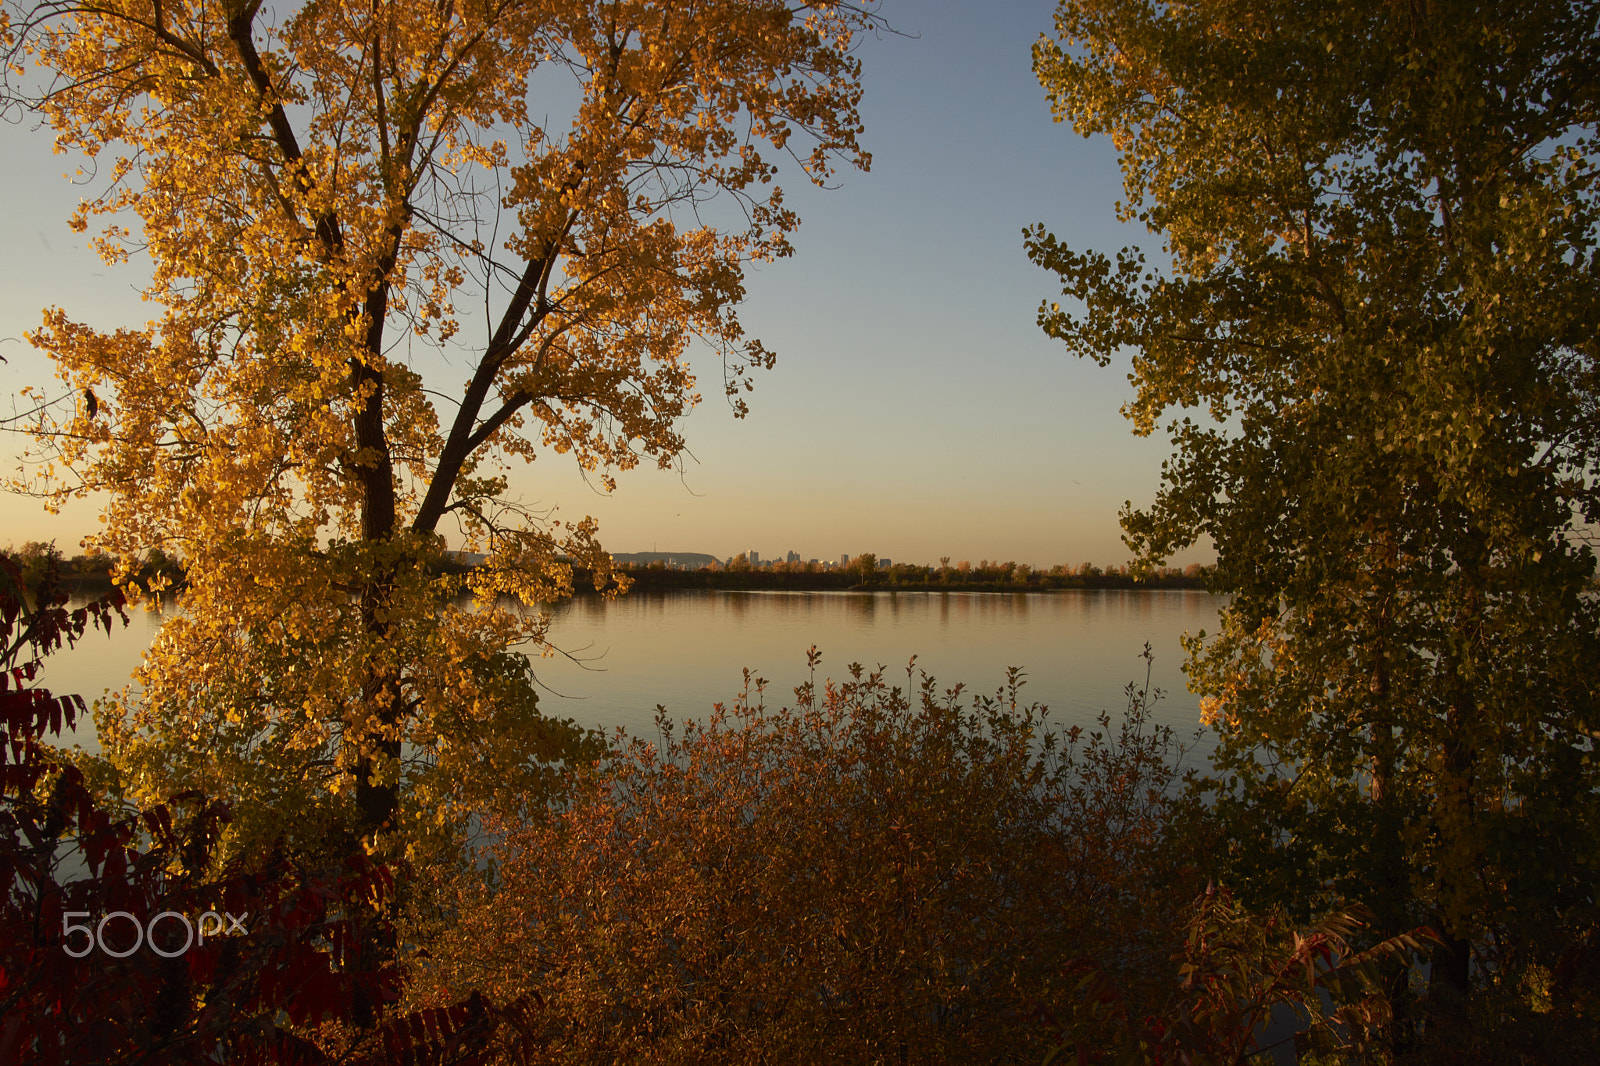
point(650, 579)
point(88, 576)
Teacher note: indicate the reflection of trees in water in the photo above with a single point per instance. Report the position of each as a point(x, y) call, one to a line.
point(863, 606)
point(1094, 606)
point(673, 615)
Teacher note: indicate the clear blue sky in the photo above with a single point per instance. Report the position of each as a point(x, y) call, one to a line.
point(916, 409)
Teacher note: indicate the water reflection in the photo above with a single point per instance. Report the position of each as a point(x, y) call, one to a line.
point(686, 649)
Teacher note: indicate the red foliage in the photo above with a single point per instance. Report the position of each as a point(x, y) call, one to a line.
point(874, 874)
point(1238, 972)
point(273, 976)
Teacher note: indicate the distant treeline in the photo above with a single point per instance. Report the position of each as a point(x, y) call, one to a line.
point(93, 571)
point(864, 573)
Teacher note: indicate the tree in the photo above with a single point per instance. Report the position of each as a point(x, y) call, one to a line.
point(867, 564)
point(319, 189)
point(188, 986)
point(1384, 247)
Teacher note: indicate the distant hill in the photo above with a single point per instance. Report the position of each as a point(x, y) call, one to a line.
point(672, 560)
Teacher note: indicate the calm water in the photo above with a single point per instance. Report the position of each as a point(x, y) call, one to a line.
point(686, 650)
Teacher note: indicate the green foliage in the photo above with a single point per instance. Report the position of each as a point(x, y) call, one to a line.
point(867, 566)
point(1384, 287)
point(35, 560)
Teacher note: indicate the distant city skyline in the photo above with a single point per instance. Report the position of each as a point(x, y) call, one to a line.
point(916, 407)
point(844, 559)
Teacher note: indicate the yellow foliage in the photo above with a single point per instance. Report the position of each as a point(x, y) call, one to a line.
point(319, 189)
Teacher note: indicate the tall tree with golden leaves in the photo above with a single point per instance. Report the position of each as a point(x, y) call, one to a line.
point(343, 201)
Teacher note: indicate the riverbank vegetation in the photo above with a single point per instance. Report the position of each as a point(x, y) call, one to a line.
point(1372, 333)
point(95, 572)
point(866, 574)
point(867, 872)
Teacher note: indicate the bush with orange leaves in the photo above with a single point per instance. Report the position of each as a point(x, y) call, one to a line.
point(871, 875)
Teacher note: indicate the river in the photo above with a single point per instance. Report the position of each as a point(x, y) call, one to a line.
point(686, 650)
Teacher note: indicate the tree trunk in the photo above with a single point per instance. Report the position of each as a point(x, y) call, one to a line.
point(1391, 886)
point(375, 730)
point(378, 728)
point(1460, 855)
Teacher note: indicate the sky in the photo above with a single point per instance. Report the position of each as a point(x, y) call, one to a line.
point(916, 409)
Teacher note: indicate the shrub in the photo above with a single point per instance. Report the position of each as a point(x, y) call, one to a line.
point(1237, 972)
point(866, 876)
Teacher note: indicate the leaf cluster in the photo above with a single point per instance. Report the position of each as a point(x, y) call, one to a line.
point(868, 874)
point(1241, 972)
point(1381, 238)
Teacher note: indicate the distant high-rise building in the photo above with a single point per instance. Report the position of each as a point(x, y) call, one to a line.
point(793, 557)
point(844, 560)
point(755, 558)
